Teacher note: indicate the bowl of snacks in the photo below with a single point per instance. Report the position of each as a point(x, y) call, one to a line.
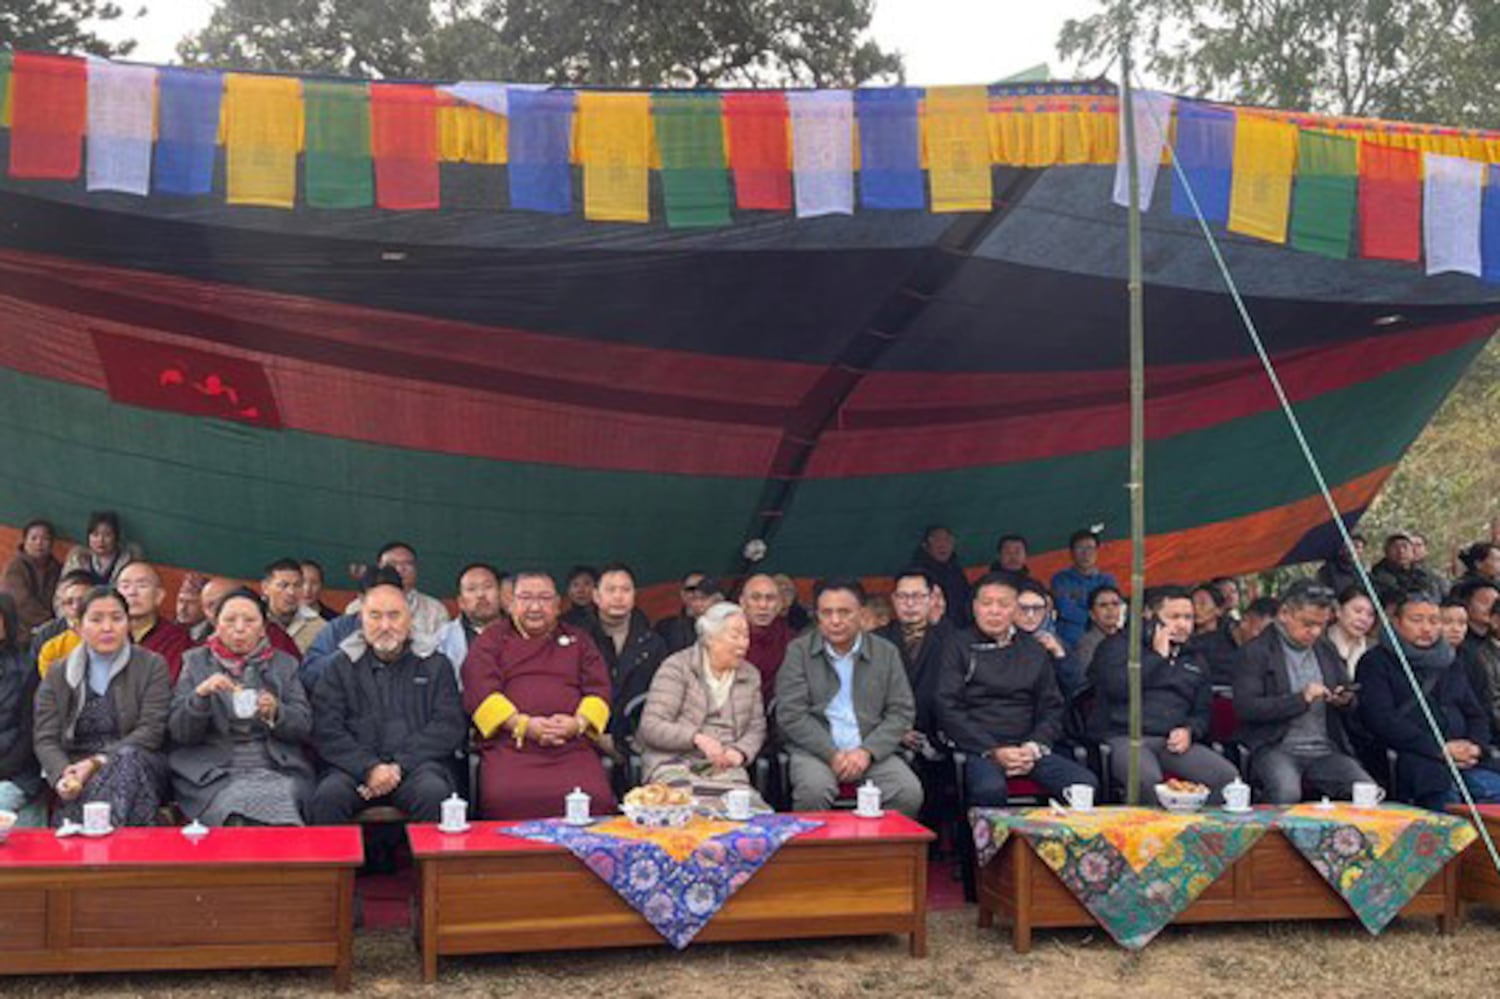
point(658, 806)
point(1177, 795)
point(7, 823)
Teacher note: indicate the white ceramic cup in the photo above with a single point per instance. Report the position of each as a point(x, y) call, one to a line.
point(245, 700)
point(96, 817)
point(1367, 794)
point(737, 803)
point(1079, 796)
point(867, 800)
point(1237, 796)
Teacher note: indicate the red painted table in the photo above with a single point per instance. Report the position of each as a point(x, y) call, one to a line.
point(485, 892)
point(150, 899)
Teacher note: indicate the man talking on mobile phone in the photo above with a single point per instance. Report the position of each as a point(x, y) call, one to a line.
point(1293, 704)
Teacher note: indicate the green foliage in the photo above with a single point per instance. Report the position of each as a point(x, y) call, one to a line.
point(820, 43)
point(1448, 485)
point(1427, 60)
point(59, 26)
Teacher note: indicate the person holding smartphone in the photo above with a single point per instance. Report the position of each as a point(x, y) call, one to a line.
point(1295, 707)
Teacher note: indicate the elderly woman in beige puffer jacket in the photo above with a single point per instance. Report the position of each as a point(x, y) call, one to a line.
point(704, 721)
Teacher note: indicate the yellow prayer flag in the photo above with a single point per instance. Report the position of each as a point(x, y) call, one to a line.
point(469, 134)
point(958, 149)
point(260, 125)
point(1260, 198)
point(614, 146)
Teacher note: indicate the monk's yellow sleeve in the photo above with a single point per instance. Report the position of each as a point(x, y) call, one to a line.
point(595, 712)
point(493, 712)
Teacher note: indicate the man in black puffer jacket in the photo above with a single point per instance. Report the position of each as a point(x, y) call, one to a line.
point(998, 699)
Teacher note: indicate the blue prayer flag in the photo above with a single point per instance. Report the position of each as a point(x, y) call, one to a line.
point(1205, 151)
point(890, 164)
point(541, 126)
point(1489, 228)
point(187, 130)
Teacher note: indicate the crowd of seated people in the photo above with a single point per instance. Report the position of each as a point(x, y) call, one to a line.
point(266, 706)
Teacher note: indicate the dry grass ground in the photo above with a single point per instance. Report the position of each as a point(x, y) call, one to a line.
point(1236, 962)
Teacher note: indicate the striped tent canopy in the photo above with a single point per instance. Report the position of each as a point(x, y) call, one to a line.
point(544, 388)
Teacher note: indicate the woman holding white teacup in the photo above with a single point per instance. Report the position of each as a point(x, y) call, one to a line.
point(239, 720)
point(704, 720)
point(101, 716)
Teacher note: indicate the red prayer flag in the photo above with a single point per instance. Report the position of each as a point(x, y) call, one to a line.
point(1390, 203)
point(404, 141)
point(184, 380)
point(49, 110)
point(758, 150)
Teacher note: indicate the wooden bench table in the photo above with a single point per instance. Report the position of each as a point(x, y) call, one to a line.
point(1478, 881)
point(485, 892)
point(1272, 882)
point(149, 899)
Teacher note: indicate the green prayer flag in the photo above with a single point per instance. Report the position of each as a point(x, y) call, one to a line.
point(339, 169)
point(694, 174)
point(4, 84)
point(1325, 195)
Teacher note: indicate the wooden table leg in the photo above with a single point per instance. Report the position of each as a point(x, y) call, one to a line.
point(1022, 861)
point(1452, 915)
point(919, 902)
point(343, 969)
point(427, 871)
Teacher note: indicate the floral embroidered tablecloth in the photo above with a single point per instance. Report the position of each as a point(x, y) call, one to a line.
point(676, 878)
point(1134, 869)
point(1376, 858)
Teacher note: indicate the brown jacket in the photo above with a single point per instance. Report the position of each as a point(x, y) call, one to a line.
point(32, 586)
point(677, 706)
point(143, 699)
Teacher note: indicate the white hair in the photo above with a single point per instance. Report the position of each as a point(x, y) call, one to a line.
point(712, 621)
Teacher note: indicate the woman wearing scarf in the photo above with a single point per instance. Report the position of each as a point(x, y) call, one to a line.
point(239, 719)
point(704, 720)
point(1391, 714)
point(106, 553)
point(101, 715)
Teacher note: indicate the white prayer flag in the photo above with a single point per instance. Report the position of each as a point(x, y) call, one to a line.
point(493, 97)
point(823, 151)
point(1453, 194)
point(1153, 116)
point(121, 122)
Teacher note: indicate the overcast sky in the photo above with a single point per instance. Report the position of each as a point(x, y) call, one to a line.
point(944, 41)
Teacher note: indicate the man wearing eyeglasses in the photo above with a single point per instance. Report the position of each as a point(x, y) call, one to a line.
point(922, 643)
point(998, 699)
point(538, 692)
point(1293, 703)
point(843, 705)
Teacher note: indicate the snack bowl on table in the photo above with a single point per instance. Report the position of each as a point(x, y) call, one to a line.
point(7, 823)
point(657, 806)
point(1181, 796)
point(658, 816)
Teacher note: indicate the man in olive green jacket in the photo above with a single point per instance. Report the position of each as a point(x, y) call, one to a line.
point(843, 704)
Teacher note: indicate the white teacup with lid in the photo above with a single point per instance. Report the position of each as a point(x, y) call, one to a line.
point(1237, 796)
point(455, 816)
point(867, 801)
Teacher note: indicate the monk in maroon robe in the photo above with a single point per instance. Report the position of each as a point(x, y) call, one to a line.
point(538, 692)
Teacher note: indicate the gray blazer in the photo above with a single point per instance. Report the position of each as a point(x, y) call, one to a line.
point(806, 683)
point(202, 745)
